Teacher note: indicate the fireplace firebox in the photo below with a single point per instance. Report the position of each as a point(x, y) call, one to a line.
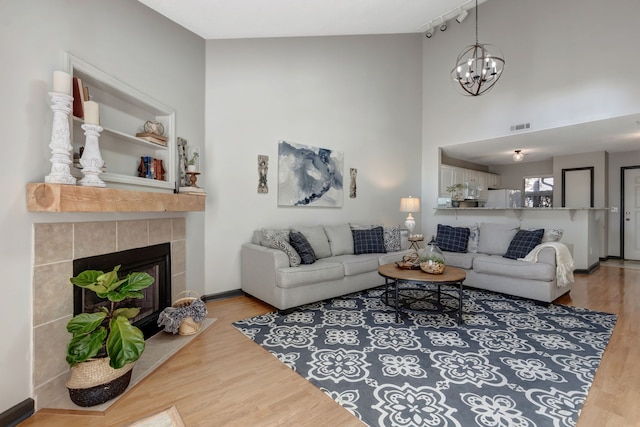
point(155, 260)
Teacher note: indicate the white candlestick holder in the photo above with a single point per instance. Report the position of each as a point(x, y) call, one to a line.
point(60, 141)
point(91, 159)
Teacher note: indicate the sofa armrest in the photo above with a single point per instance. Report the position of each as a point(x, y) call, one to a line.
point(547, 256)
point(261, 254)
point(258, 268)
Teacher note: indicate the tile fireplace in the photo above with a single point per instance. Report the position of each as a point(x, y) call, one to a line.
point(57, 247)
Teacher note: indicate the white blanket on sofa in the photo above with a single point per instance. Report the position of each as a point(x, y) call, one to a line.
point(564, 261)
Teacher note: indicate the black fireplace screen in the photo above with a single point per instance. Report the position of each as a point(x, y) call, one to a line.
point(155, 260)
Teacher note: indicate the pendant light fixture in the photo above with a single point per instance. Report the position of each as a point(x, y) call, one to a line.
point(478, 67)
point(518, 156)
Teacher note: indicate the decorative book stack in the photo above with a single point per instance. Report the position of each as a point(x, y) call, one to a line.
point(153, 137)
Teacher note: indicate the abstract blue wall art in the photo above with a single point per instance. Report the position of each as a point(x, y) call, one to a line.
point(309, 176)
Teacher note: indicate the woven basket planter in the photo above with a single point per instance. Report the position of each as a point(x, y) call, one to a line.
point(95, 382)
point(188, 325)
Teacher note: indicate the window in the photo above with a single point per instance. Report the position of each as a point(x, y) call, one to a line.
point(538, 192)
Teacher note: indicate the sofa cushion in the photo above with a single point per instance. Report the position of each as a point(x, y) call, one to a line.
point(390, 257)
point(303, 247)
point(552, 235)
point(460, 259)
point(368, 241)
point(340, 239)
point(317, 239)
point(495, 238)
point(523, 242)
point(266, 235)
point(391, 236)
point(452, 239)
point(363, 226)
point(293, 277)
point(278, 241)
point(474, 238)
point(355, 264)
point(500, 266)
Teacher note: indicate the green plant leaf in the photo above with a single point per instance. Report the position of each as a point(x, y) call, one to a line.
point(115, 296)
point(85, 323)
point(129, 313)
point(125, 342)
point(88, 279)
point(110, 280)
point(85, 346)
point(137, 282)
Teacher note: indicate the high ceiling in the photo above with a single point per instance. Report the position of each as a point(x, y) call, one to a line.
point(230, 19)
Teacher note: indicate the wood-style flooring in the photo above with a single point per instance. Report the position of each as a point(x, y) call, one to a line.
point(224, 379)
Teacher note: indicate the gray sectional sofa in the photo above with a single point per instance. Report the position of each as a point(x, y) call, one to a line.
point(271, 274)
point(487, 268)
point(268, 275)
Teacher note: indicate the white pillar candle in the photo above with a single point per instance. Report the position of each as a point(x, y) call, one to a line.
point(62, 82)
point(91, 113)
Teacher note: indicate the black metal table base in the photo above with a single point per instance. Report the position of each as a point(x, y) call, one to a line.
point(420, 297)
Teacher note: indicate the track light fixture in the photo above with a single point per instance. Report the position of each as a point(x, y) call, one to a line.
point(518, 156)
point(462, 16)
point(429, 33)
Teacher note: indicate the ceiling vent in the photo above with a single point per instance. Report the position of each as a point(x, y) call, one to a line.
point(521, 126)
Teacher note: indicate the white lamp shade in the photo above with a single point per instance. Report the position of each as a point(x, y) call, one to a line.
point(410, 204)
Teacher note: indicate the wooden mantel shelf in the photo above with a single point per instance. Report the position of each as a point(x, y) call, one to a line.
point(42, 197)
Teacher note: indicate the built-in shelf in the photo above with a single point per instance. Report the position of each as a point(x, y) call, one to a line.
point(127, 137)
point(123, 112)
point(43, 197)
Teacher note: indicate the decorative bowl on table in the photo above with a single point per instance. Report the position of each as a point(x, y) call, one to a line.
point(432, 267)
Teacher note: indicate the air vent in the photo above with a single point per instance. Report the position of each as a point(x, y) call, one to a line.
point(521, 126)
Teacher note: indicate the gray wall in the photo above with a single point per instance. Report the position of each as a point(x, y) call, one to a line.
point(552, 76)
point(359, 95)
point(126, 40)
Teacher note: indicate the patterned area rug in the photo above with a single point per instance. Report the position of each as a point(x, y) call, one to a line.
point(512, 363)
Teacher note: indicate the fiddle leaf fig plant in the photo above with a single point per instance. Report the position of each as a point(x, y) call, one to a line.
point(108, 330)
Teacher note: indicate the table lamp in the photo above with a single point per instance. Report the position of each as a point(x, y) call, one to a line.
point(410, 204)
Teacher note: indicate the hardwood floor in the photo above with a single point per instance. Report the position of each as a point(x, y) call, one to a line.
point(224, 379)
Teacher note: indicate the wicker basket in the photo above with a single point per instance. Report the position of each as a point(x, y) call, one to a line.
point(188, 325)
point(95, 382)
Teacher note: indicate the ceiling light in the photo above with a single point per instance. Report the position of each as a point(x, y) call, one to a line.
point(518, 156)
point(462, 16)
point(477, 69)
point(429, 33)
point(443, 26)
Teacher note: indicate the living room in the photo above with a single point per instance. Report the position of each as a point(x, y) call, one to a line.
point(384, 100)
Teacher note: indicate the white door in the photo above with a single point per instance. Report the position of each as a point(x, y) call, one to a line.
point(632, 214)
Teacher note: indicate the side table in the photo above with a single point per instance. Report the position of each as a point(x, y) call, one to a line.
point(415, 242)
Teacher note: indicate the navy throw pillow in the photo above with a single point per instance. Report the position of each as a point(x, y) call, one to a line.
point(452, 239)
point(369, 241)
point(523, 242)
point(303, 247)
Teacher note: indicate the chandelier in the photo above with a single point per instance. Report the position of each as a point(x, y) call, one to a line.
point(477, 68)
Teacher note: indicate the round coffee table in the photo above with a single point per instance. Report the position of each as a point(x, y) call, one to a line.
point(428, 284)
